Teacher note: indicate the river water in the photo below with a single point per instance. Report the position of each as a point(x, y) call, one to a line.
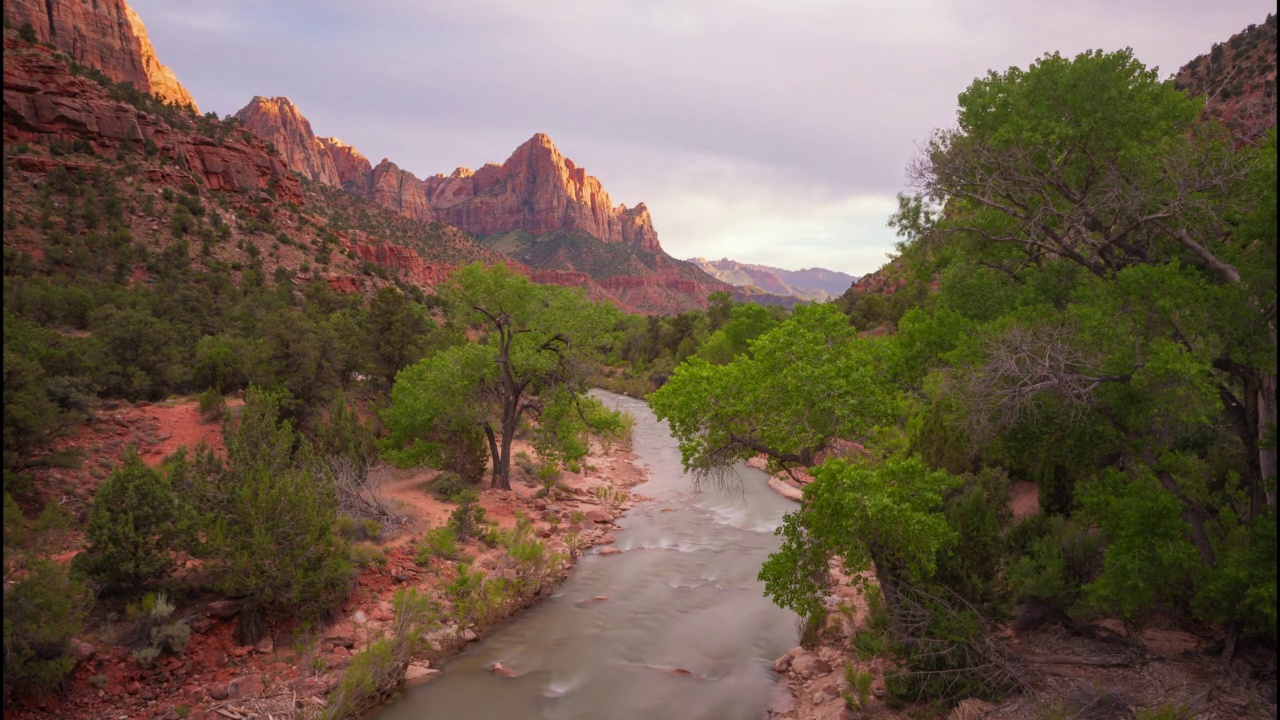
point(683, 595)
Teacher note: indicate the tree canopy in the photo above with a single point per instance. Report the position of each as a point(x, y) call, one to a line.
point(532, 358)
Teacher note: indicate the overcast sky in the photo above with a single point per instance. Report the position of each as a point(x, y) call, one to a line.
point(768, 132)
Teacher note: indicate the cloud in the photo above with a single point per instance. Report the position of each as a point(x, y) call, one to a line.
point(807, 108)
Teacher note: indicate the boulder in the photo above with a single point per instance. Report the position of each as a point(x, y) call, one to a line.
point(501, 670)
point(419, 672)
point(609, 551)
point(248, 686)
point(224, 609)
point(809, 665)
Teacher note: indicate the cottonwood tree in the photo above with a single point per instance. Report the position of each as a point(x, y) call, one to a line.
point(804, 384)
point(1097, 162)
point(1135, 249)
point(536, 345)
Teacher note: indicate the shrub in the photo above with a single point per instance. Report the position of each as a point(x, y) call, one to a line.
point(467, 520)
point(439, 542)
point(375, 674)
point(43, 610)
point(277, 546)
point(447, 486)
point(212, 404)
point(132, 529)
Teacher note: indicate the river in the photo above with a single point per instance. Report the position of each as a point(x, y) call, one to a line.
point(682, 595)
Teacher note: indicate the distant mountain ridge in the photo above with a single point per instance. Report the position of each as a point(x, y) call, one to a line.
point(537, 207)
point(818, 284)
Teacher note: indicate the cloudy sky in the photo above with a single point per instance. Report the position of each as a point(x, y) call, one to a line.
point(769, 132)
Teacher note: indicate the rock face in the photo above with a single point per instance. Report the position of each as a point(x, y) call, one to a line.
point(106, 34)
point(354, 170)
point(540, 191)
point(43, 101)
point(277, 121)
point(399, 190)
point(164, 84)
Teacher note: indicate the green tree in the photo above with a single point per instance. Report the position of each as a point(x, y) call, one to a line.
point(537, 347)
point(133, 528)
point(805, 383)
point(270, 524)
point(396, 334)
point(43, 610)
point(1098, 162)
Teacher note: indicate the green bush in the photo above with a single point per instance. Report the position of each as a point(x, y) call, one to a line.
point(133, 528)
point(467, 520)
point(439, 542)
point(43, 610)
point(278, 547)
point(376, 673)
point(212, 404)
point(447, 486)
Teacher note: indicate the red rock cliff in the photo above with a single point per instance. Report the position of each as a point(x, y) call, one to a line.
point(43, 101)
point(354, 169)
point(106, 34)
point(538, 190)
point(399, 190)
point(277, 121)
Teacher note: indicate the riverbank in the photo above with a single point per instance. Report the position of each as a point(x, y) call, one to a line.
point(295, 668)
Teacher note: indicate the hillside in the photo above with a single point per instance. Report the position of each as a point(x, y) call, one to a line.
point(1238, 80)
point(817, 284)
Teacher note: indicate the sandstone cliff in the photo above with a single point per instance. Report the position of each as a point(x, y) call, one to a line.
point(354, 170)
point(106, 34)
point(277, 121)
point(164, 84)
point(43, 101)
point(399, 190)
point(540, 191)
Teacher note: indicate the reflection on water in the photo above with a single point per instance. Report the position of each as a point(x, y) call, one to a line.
point(683, 596)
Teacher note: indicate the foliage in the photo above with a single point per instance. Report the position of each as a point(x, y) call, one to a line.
point(806, 383)
point(441, 542)
point(467, 520)
point(43, 610)
point(275, 541)
point(377, 672)
point(447, 486)
point(533, 354)
point(886, 515)
point(133, 528)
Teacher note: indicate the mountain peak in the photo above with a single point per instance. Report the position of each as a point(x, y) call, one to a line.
point(278, 121)
point(107, 35)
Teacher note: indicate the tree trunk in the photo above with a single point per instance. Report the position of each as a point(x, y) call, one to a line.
point(493, 453)
point(1266, 428)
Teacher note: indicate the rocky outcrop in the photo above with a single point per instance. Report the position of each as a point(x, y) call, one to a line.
point(399, 190)
point(354, 169)
point(44, 101)
point(276, 120)
point(164, 84)
point(540, 191)
point(406, 260)
point(106, 34)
